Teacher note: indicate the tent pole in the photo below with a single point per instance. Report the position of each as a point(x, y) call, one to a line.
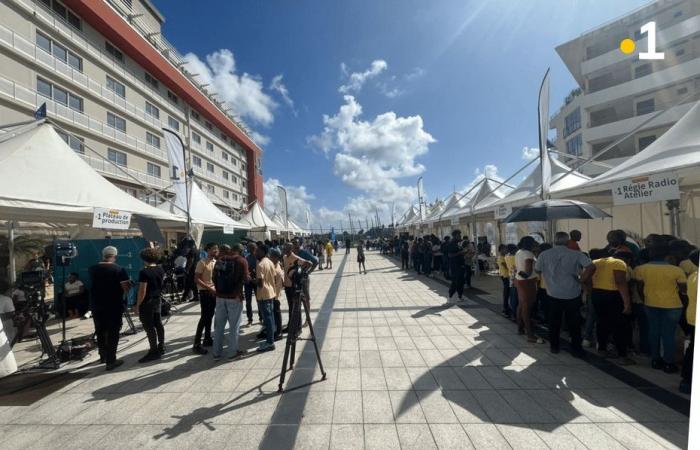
point(12, 275)
point(674, 213)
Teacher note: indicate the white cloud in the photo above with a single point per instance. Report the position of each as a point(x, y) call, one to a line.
point(357, 79)
point(530, 153)
point(278, 86)
point(243, 93)
point(259, 139)
point(414, 74)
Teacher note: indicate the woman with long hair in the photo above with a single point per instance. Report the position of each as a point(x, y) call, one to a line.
point(148, 303)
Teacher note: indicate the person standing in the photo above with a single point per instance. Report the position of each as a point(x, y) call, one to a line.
point(250, 284)
point(661, 283)
point(276, 258)
point(148, 303)
point(404, 255)
point(75, 297)
point(265, 275)
point(109, 283)
point(526, 284)
point(505, 278)
point(564, 271)
point(445, 259)
point(289, 260)
point(361, 256)
point(455, 254)
point(469, 254)
point(611, 300)
point(575, 239)
point(348, 244)
point(687, 371)
point(329, 255)
point(511, 250)
point(230, 274)
point(203, 276)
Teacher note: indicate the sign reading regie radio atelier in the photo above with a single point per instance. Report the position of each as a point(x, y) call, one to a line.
point(111, 219)
point(650, 188)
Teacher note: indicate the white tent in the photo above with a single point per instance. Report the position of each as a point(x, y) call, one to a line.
point(410, 217)
point(530, 188)
point(202, 210)
point(258, 220)
point(44, 180)
point(435, 211)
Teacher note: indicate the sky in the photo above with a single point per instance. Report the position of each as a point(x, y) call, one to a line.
point(352, 101)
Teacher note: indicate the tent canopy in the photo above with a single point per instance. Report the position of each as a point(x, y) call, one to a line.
point(202, 210)
point(258, 220)
point(44, 180)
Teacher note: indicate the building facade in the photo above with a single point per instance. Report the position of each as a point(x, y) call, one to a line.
point(620, 95)
point(112, 83)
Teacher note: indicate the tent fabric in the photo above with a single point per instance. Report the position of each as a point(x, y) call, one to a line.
point(410, 216)
point(529, 189)
point(258, 220)
point(678, 148)
point(43, 180)
point(202, 210)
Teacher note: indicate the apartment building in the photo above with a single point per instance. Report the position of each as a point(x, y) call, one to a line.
point(112, 82)
point(619, 94)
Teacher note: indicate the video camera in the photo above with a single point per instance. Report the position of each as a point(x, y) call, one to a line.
point(298, 275)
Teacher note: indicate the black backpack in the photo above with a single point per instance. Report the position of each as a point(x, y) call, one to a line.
point(225, 280)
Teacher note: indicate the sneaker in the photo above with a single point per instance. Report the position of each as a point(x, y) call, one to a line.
point(150, 356)
point(208, 342)
point(113, 365)
point(161, 349)
point(198, 350)
point(278, 337)
point(670, 368)
point(250, 323)
point(266, 347)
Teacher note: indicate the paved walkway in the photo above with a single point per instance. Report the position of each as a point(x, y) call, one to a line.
point(404, 371)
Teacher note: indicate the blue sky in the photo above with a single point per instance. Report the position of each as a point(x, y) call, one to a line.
point(441, 89)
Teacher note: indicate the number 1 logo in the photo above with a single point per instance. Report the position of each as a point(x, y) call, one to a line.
point(650, 30)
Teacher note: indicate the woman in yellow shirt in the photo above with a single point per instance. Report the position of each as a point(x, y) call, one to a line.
point(661, 285)
point(510, 264)
point(611, 300)
point(687, 372)
point(504, 273)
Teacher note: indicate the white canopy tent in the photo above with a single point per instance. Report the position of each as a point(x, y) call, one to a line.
point(258, 220)
point(202, 210)
point(44, 180)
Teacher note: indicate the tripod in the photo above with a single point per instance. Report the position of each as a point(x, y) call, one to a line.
point(39, 317)
point(293, 333)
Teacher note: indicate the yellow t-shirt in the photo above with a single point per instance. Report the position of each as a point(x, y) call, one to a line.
point(692, 297)
point(502, 267)
point(510, 262)
point(688, 266)
point(329, 249)
point(265, 270)
point(660, 284)
point(604, 276)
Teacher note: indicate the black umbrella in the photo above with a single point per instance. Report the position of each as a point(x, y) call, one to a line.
point(547, 210)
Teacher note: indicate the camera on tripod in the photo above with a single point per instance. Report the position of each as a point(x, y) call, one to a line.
point(298, 275)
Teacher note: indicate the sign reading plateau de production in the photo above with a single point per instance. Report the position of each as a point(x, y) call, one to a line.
point(651, 188)
point(111, 219)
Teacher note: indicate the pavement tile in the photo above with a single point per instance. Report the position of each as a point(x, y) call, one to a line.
point(415, 436)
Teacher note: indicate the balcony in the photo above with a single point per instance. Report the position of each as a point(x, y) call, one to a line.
point(31, 100)
point(108, 168)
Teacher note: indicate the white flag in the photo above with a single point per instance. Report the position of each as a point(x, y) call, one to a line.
point(282, 193)
point(178, 169)
point(543, 119)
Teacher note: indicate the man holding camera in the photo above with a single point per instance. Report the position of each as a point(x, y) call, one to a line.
point(109, 284)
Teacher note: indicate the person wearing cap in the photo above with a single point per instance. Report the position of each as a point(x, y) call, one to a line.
point(109, 283)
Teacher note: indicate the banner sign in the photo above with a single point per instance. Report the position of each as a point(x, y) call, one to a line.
point(651, 188)
point(229, 229)
point(501, 212)
point(111, 219)
point(454, 221)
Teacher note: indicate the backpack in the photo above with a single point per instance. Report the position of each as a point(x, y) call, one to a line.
point(225, 278)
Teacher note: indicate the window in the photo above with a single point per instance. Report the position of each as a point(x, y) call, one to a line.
point(114, 52)
point(224, 155)
point(645, 141)
point(116, 87)
point(59, 95)
point(58, 51)
point(208, 125)
point(243, 183)
point(643, 70)
point(152, 111)
point(63, 13)
point(224, 174)
point(153, 140)
point(151, 80)
point(574, 146)
point(173, 98)
point(227, 194)
point(234, 161)
point(210, 188)
point(210, 146)
point(682, 91)
point(74, 142)
point(197, 161)
point(153, 170)
point(224, 137)
point(116, 156)
point(116, 122)
point(243, 167)
point(210, 167)
point(645, 107)
point(234, 179)
point(174, 124)
point(572, 122)
point(195, 114)
point(197, 138)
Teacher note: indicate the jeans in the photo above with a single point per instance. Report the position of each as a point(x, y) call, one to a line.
point(149, 314)
point(249, 288)
point(571, 310)
point(277, 312)
point(227, 310)
point(662, 331)
point(207, 305)
point(640, 315)
point(107, 333)
point(591, 320)
point(608, 307)
point(506, 294)
point(457, 282)
point(267, 308)
point(513, 301)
